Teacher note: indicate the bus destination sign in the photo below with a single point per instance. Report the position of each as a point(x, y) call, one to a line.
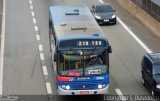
point(80, 43)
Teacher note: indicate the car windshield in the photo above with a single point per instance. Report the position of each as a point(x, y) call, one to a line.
point(82, 62)
point(103, 9)
point(156, 69)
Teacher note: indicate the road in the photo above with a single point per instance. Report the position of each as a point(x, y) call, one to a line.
point(22, 69)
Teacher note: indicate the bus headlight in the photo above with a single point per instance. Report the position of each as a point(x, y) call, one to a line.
point(67, 87)
point(100, 86)
point(158, 86)
point(63, 86)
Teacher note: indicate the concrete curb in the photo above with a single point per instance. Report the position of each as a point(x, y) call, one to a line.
point(144, 17)
point(1, 6)
point(2, 45)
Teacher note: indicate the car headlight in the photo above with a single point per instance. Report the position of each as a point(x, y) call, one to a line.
point(158, 86)
point(98, 17)
point(113, 16)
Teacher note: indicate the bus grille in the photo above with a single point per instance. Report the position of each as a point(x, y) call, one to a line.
point(84, 87)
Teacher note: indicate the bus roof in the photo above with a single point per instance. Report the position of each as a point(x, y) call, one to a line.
point(74, 21)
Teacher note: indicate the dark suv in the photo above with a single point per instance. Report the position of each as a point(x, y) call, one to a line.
point(151, 72)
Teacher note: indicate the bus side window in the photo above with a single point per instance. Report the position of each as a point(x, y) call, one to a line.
point(62, 62)
point(62, 66)
point(104, 57)
point(54, 37)
point(52, 31)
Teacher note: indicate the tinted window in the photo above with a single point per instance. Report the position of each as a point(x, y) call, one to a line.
point(103, 9)
point(156, 69)
point(145, 62)
point(149, 65)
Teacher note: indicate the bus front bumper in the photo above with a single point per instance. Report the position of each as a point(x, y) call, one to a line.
point(78, 92)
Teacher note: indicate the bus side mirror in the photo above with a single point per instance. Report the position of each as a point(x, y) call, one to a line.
point(109, 49)
point(55, 55)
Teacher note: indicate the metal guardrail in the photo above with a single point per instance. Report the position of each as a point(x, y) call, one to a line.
point(152, 7)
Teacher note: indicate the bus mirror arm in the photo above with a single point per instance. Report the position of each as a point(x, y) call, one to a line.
point(109, 49)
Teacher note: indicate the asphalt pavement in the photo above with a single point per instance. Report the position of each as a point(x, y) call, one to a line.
point(22, 66)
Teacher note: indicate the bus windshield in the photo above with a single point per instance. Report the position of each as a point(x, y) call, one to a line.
point(83, 62)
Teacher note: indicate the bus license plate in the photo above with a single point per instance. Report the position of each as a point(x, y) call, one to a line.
point(84, 92)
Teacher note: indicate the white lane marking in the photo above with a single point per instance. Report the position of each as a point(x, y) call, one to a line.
point(49, 90)
point(101, 1)
point(2, 46)
point(36, 28)
point(42, 56)
point(31, 7)
point(38, 37)
point(40, 47)
point(45, 72)
point(134, 35)
point(30, 2)
point(32, 13)
point(118, 91)
point(34, 20)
